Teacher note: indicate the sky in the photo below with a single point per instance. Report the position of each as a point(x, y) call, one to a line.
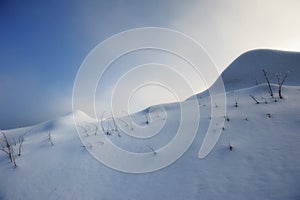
point(43, 43)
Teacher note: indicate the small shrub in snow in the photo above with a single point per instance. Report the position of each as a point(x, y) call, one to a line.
point(130, 122)
point(115, 128)
point(266, 102)
point(230, 147)
point(7, 148)
point(96, 127)
point(50, 139)
point(269, 85)
point(112, 128)
point(21, 140)
point(124, 122)
point(154, 152)
point(227, 118)
point(257, 102)
point(101, 122)
point(88, 146)
point(147, 117)
point(280, 81)
point(236, 103)
point(107, 127)
point(14, 141)
point(85, 130)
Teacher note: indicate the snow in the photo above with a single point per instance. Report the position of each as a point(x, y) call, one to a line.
point(263, 164)
point(246, 70)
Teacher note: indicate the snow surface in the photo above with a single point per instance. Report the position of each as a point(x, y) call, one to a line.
point(246, 70)
point(263, 164)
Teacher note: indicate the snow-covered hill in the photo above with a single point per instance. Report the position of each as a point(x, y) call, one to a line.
point(246, 70)
point(264, 162)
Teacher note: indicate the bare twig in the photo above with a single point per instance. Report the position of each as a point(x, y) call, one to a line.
point(257, 102)
point(147, 117)
point(7, 148)
point(130, 120)
point(121, 120)
point(21, 140)
point(154, 152)
point(230, 146)
point(84, 130)
point(280, 83)
point(50, 139)
point(101, 122)
point(269, 85)
point(14, 141)
point(266, 102)
point(96, 125)
point(236, 101)
point(115, 128)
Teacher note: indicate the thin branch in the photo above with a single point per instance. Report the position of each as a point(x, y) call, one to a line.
point(84, 130)
point(269, 85)
point(8, 149)
point(101, 122)
point(257, 102)
point(154, 152)
point(50, 139)
point(21, 140)
point(280, 83)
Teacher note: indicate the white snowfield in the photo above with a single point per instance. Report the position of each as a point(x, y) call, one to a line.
point(264, 162)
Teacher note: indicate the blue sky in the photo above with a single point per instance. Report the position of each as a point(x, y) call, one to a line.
point(43, 43)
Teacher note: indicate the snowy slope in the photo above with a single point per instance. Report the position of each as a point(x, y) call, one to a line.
point(263, 164)
point(246, 70)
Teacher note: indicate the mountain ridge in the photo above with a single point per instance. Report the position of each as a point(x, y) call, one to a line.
point(246, 70)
